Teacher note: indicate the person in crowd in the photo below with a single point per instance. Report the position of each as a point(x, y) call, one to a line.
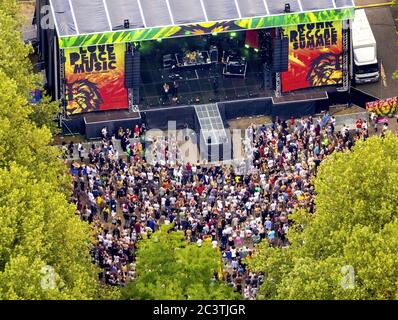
point(128, 197)
point(104, 133)
point(80, 150)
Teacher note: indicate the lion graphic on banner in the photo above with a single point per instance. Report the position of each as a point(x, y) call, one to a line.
point(326, 70)
point(83, 96)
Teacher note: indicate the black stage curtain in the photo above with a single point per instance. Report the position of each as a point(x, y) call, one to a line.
point(296, 109)
point(74, 125)
point(186, 116)
point(158, 119)
point(233, 110)
point(360, 98)
point(338, 97)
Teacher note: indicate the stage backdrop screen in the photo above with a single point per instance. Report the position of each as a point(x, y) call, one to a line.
point(95, 78)
point(315, 56)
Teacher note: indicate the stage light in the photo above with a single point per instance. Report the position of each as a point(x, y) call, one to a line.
point(159, 40)
point(233, 34)
point(214, 34)
point(256, 50)
point(247, 46)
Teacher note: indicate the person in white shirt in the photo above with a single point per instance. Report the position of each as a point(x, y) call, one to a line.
point(104, 133)
point(214, 244)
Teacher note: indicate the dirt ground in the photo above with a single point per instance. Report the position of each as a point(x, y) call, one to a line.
point(244, 123)
point(342, 110)
point(27, 9)
point(58, 139)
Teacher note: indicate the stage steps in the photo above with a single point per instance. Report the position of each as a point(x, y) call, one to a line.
point(211, 123)
point(215, 141)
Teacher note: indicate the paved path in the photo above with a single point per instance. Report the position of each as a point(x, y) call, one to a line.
point(385, 32)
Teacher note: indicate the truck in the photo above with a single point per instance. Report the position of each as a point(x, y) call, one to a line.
point(364, 48)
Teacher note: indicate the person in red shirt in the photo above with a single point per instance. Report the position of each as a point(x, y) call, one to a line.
point(137, 227)
point(358, 125)
point(200, 188)
point(262, 151)
point(292, 121)
point(136, 131)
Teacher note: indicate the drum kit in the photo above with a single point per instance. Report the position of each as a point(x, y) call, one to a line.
point(192, 57)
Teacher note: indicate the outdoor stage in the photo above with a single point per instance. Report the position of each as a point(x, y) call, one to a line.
point(160, 117)
point(165, 60)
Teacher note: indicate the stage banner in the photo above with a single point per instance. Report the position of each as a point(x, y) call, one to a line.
point(383, 108)
point(95, 78)
point(315, 55)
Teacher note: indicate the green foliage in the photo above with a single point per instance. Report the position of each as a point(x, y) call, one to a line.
point(15, 64)
point(355, 226)
point(44, 114)
point(14, 53)
point(170, 268)
point(41, 237)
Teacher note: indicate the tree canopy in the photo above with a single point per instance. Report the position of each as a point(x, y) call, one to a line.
point(169, 268)
point(15, 63)
point(348, 248)
point(44, 247)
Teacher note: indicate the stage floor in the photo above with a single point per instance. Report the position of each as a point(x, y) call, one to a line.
point(198, 86)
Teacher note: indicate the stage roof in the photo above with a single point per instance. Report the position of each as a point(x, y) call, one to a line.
point(89, 22)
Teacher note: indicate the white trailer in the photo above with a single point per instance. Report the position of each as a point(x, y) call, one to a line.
point(366, 65)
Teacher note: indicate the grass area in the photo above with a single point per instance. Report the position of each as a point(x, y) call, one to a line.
point(58, 139)
point(244, 123)
point(27, 9)
point(343, 110)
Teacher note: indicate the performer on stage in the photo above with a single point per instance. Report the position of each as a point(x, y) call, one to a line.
point(166, 89)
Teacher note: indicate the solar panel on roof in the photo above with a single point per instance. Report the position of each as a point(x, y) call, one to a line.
point(308, 5)
point(120, 10)
point(63, 17)
point(278, 7)
point(221, 9)
point(156, 13)
point(91, 16)
point(187, 11)
point(100, 16)
point(344, 3)
point(252, 8)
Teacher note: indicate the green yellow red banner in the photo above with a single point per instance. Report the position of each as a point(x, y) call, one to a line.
point(280, 20)
point(95, 78)
point(315, 56)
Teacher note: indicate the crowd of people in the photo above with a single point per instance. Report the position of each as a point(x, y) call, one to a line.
point(126, 198)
